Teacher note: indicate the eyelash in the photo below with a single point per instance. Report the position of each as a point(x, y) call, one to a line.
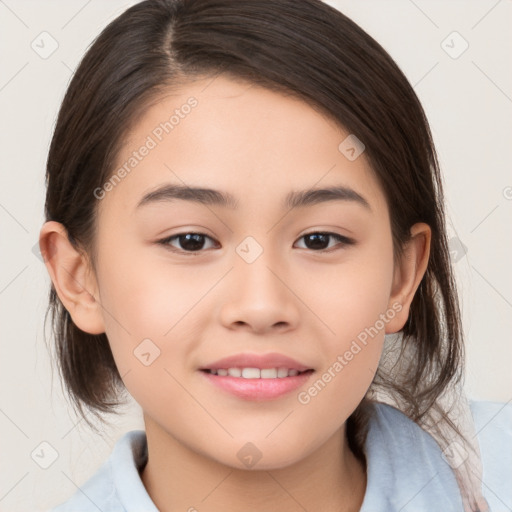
point(344, 241)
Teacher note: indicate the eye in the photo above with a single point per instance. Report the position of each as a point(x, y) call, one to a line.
point(189, 242)
point(194, 242)
point(319, 240)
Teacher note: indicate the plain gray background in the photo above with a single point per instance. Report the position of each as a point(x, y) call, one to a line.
point(467, 97)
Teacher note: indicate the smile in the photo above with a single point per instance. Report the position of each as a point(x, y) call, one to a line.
point(257, 373)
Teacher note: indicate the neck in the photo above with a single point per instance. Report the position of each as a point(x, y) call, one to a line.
point(178, 478)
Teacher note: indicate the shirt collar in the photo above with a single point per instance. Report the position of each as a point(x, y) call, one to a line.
point(405, 469)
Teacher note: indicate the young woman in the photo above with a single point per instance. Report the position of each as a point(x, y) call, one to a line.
point(245, 231)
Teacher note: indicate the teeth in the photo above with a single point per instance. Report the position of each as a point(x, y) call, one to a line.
point(251, 373)
point(256, 373)
point(268, 373)
point(282, 372)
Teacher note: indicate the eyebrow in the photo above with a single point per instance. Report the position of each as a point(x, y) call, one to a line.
point(211, 197)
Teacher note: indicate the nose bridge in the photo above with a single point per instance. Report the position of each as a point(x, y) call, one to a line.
point(257, 296)
point(256, 266)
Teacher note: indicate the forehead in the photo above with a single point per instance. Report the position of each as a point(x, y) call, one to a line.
point(238, 137)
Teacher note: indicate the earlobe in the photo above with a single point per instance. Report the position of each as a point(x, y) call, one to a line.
point(408, 274)
point(72, 278)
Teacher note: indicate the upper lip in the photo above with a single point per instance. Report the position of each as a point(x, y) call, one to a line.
point(247, 360)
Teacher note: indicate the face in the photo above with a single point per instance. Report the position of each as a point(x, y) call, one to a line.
point(310, 281)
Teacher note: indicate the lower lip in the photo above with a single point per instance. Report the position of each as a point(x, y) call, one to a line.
point(258, 389)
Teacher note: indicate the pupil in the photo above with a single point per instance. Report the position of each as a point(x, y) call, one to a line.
point(320, 241)
point(192, 241)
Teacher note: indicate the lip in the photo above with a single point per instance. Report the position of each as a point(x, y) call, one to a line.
point(261, 361)
point(257, 389)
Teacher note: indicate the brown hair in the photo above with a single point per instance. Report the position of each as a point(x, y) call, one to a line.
point(303, 48)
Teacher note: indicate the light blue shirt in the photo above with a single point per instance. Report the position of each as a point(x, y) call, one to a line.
point(405, 468)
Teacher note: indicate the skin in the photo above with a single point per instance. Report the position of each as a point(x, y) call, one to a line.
point(303, 302)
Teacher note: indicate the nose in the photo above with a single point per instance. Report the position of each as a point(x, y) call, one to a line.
point(259, 298)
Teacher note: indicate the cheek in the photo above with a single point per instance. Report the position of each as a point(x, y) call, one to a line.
point(350, 296)
point(354, 307)
point(352, 300)
point(145, 294)
point(147, 305)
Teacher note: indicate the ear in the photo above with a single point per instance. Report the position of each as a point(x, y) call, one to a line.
point(72, 277)
point(408, 274)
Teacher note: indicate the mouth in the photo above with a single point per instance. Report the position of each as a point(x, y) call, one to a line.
point(256, 373)
point(257, 377)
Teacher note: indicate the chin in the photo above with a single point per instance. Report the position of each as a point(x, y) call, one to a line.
point(263, 455)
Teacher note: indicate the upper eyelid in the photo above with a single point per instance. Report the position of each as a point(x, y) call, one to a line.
point(332, 233)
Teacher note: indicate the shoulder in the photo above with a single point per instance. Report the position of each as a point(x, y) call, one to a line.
point(402, 447)
point(401, 434)
point(493, 427)
point(405, 468)
point(116, 486)
point(96, 493)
